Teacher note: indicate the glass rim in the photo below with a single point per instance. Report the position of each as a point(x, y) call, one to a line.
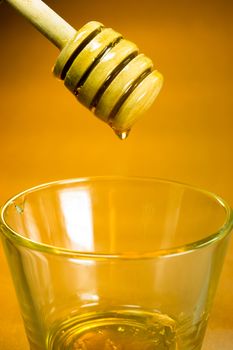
point(19, 239)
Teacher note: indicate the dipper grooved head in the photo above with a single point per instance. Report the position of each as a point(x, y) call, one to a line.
point(108, 75)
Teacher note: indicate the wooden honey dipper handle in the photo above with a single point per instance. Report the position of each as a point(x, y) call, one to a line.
point(48, 22)
point(102, 69)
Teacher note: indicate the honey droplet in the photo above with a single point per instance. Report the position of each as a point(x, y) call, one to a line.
point(122, 134)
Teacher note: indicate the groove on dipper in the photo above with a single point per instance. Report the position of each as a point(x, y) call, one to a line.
point(95, 62)
point(128, 92)
point(78, 50)
point(110, 78)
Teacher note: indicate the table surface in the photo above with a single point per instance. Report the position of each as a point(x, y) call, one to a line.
point(46, 135)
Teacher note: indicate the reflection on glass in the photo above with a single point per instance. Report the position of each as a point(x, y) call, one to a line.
point(77, 211)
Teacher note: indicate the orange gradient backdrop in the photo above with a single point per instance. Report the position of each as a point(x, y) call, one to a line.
point(45, 134)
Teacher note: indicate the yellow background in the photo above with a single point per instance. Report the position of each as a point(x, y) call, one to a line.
point(187, 135)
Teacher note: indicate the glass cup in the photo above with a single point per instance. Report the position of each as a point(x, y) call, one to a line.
point(115, 263)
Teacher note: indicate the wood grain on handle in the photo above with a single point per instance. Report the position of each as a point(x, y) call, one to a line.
point(48, 22)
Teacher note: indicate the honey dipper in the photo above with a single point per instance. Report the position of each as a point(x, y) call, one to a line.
point(101, 68)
